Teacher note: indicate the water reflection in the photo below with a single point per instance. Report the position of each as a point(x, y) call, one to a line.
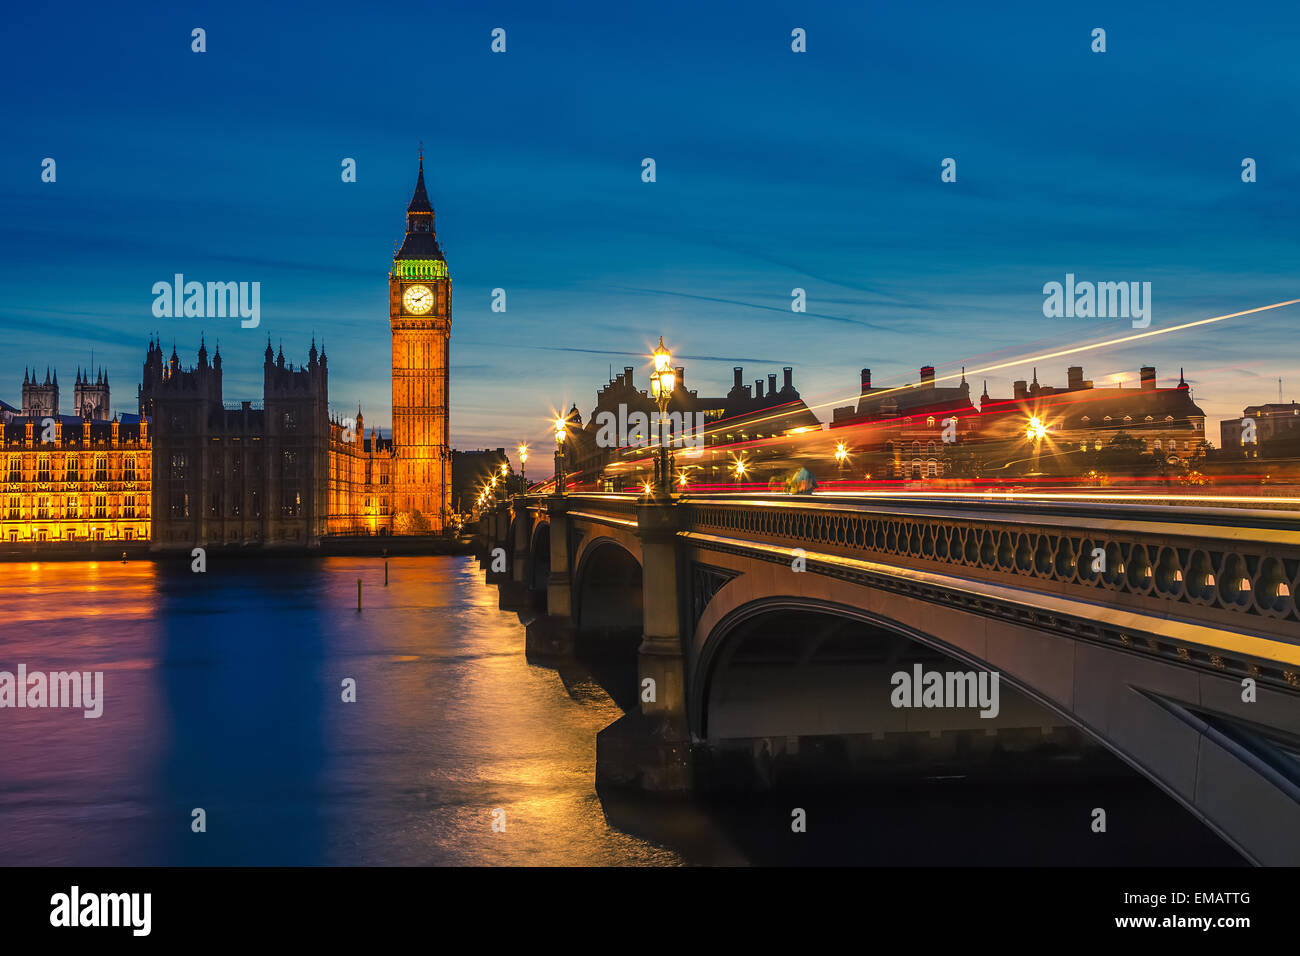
point(223, 691)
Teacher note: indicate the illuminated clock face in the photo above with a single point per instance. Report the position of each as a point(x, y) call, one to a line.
point(417, 299)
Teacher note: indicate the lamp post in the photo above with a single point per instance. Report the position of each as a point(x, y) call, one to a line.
point(1035, 431)
point(841, 456)
point(662, 382)
point(561, 432)
point(523, 460)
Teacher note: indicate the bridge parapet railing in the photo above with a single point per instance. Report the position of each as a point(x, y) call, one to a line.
point(1234, 568)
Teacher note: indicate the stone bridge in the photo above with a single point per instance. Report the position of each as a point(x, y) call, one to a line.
point(1169, 636)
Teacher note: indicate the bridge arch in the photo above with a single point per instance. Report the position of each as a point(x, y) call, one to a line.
point(539, 560)
point(843, 649)
point(607, 590)
point(1163, 722)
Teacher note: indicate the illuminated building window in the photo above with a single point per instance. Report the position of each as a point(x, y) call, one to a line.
point(101, 469)
point(1096, 446)
point(178, 465)
point(1157, 444)
point(916, 448)
point(1169, 418)
point(290, 464)
point(14, 513)
point(70, 472)
point(126, 535)
point(15, 468)
point(101, 506)
point(930, 449)
point(931, 469)
point(290, 420)
point(42, 508)
point(930, 421)
point(128, 468)
point(180, 505)
point(1108, 418)
point(128, 507)
point(43, 468)
point(70, 510)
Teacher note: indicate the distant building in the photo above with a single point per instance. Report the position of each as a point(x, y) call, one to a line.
point(1163, 422)
point(361, 472)
point(239, 475)
point(77, 477)
point(471, 470)
point(911, 432)
point(743, 423)
point(40, 399)
point(1276, 428)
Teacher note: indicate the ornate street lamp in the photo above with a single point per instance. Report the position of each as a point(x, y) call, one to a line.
point(523, 460)
point(841, 456)
point(561, 432)
point(662, 382)
point(1035, 431)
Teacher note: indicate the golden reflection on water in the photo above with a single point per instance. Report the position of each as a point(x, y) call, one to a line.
point(225, 688)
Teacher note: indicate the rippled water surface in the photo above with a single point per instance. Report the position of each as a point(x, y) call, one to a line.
point(223, 692)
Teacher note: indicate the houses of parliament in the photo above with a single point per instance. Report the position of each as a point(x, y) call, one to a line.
point(190, 469)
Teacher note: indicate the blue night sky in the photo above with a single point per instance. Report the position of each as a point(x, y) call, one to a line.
point(775, 170)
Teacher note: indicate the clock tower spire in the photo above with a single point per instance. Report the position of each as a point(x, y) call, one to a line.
point(419, 314)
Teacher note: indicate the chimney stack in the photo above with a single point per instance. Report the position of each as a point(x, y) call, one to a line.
point(866, 380)
point(737, 372)
point(1020, 388)
point(758, 388)
point(681, 377)
point(627, 375)
point(771, 384)
point(927, 376)
point(1075, 376)
point(789, 379)
point(1148, 376)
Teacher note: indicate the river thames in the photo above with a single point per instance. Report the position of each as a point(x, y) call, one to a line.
point(224, 691)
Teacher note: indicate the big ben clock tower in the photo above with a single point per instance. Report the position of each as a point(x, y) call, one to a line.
point(419, 312)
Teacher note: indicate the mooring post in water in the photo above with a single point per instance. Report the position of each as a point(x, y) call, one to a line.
point(124, 557)
point(358, 594)
point(385, 567)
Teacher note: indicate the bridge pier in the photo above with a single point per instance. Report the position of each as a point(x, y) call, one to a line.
point(499, 547)
point(554, 633)
point(650, 748)
point(514, 592)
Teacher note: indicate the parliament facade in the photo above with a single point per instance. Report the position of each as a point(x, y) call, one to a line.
point(189, 469)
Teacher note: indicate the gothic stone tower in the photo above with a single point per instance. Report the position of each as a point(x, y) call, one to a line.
point(419, 312)
point(90, 398)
